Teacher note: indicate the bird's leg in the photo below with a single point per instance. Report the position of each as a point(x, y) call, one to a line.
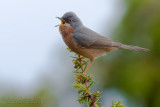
point(91, 62)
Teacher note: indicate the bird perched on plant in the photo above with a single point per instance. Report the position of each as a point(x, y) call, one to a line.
point(85, 41)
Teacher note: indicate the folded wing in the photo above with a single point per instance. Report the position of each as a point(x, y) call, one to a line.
point(86, 38)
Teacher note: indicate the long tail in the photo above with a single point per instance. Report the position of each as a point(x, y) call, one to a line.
point(130, 47)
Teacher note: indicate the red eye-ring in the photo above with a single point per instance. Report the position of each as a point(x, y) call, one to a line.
point(69, 20)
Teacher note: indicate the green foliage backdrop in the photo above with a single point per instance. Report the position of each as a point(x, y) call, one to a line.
point(135, 73)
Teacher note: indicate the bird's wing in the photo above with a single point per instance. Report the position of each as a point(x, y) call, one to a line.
point(86, 38)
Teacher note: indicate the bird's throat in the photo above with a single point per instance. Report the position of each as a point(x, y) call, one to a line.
point(66, 30)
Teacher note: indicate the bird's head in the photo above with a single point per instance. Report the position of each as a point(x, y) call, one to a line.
point(70, 19)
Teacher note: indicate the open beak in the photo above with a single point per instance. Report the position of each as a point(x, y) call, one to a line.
point(63, 22)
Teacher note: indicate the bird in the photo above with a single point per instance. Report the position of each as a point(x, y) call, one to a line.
point(87, 42)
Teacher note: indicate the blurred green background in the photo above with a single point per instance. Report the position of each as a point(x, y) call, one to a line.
point(134, 76)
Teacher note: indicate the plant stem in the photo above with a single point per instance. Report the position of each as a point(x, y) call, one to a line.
point(86, 83)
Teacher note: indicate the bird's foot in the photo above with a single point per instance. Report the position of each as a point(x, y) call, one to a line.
point(80, 59)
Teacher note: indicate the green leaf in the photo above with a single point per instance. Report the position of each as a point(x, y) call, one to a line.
point(68, 48)
point(75, 85)
point(80, 91)
point(112, 102)
point(115, 104)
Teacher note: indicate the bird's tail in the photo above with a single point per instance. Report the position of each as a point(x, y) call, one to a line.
point(130, 47)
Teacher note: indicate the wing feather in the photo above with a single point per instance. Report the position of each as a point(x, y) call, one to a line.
point(86, 38)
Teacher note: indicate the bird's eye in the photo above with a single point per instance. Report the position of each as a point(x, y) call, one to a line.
point(69, 20)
